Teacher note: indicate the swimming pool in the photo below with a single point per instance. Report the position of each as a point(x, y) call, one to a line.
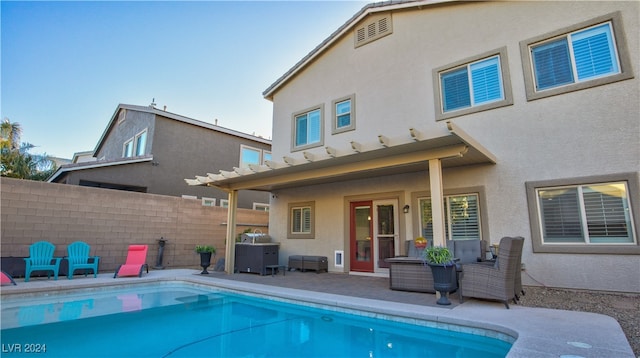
point(182, 320)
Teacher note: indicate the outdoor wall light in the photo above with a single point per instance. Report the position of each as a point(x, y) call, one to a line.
point(405, 209)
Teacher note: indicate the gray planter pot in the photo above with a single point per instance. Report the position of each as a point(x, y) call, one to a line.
point(443, 281)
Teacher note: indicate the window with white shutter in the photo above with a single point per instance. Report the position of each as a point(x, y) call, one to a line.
point(586, 214)
point(301, 220)
point(462, 217)
point(475, 84)
point(585, 55)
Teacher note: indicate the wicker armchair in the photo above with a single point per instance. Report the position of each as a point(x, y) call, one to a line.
point(494, 282)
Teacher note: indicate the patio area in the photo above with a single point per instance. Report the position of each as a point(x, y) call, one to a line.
point(538, 332)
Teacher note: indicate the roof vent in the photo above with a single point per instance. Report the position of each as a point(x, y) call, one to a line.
point(374, 28)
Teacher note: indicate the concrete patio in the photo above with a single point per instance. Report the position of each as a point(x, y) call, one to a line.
point(537, 332)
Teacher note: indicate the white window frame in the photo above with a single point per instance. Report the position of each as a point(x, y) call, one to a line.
point(507, 96)
point(583, 217)
point(136, 148)
point(294, 128)
point(208, 201)
point(620, 48)
point(262, 155)
point(335, 129)
point(128, 148)
point(261, 206)
point(224, 203)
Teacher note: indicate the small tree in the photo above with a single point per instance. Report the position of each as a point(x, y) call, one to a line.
point(16, 161)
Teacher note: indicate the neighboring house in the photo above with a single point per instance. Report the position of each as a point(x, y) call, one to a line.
point(148, 150)
point(83, 157)
point(464, 120)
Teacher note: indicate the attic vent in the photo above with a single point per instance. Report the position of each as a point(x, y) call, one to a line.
point(122, 115)
point(373, 29)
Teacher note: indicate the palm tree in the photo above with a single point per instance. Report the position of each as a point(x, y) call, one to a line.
point(10, 134)
point(16, 161)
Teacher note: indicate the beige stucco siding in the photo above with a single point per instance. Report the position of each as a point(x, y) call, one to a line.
point(585, 133)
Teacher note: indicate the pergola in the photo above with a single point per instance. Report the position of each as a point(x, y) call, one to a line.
point(417, 151)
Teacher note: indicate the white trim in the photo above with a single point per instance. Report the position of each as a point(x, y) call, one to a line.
point(97, 164)
point(206, 200)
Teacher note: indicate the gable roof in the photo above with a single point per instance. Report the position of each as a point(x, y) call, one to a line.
point(177, 117)
point(97, 164)
point(342, 31)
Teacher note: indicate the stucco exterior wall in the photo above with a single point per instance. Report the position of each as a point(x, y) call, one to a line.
point(586, 133)
point(183, 151)
point(111, 220)
point(134, 123)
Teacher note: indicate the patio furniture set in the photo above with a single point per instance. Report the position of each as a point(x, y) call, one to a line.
point(41, 259)
point(498, 278)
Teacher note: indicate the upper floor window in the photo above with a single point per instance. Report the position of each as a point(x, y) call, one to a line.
point(344, 114)
point(127, 150)
point(250, 155)
point(472, 85)
point(585, 55)
point(141, 143)
point(576, 57)
point(307, 128)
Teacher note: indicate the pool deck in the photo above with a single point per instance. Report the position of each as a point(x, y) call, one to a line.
point(539, 332)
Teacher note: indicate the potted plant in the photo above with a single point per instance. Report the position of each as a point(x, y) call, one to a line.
point(440, 259)
point(205, 252)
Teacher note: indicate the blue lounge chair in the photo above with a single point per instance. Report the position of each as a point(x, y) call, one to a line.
point(41, 259)
point(79, 259)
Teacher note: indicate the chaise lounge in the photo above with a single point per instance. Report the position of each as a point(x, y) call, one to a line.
point(135, 263)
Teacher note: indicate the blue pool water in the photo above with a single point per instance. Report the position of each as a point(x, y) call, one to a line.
point(186, 321)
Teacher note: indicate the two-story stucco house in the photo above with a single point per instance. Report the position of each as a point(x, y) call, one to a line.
point(461, 120)
point(149, 150)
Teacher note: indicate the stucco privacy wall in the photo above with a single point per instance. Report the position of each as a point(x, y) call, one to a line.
point(111, 220)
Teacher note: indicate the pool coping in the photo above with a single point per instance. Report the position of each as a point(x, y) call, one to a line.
point(538, 332)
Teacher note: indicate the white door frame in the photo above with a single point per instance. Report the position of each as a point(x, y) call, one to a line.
point(395, 235)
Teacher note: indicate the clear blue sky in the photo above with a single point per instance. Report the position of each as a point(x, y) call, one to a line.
point(66, 66)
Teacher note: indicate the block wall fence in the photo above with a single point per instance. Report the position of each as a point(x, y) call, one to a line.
point(111, 220)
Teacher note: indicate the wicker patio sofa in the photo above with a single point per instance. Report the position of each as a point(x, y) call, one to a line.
point(411, 273)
